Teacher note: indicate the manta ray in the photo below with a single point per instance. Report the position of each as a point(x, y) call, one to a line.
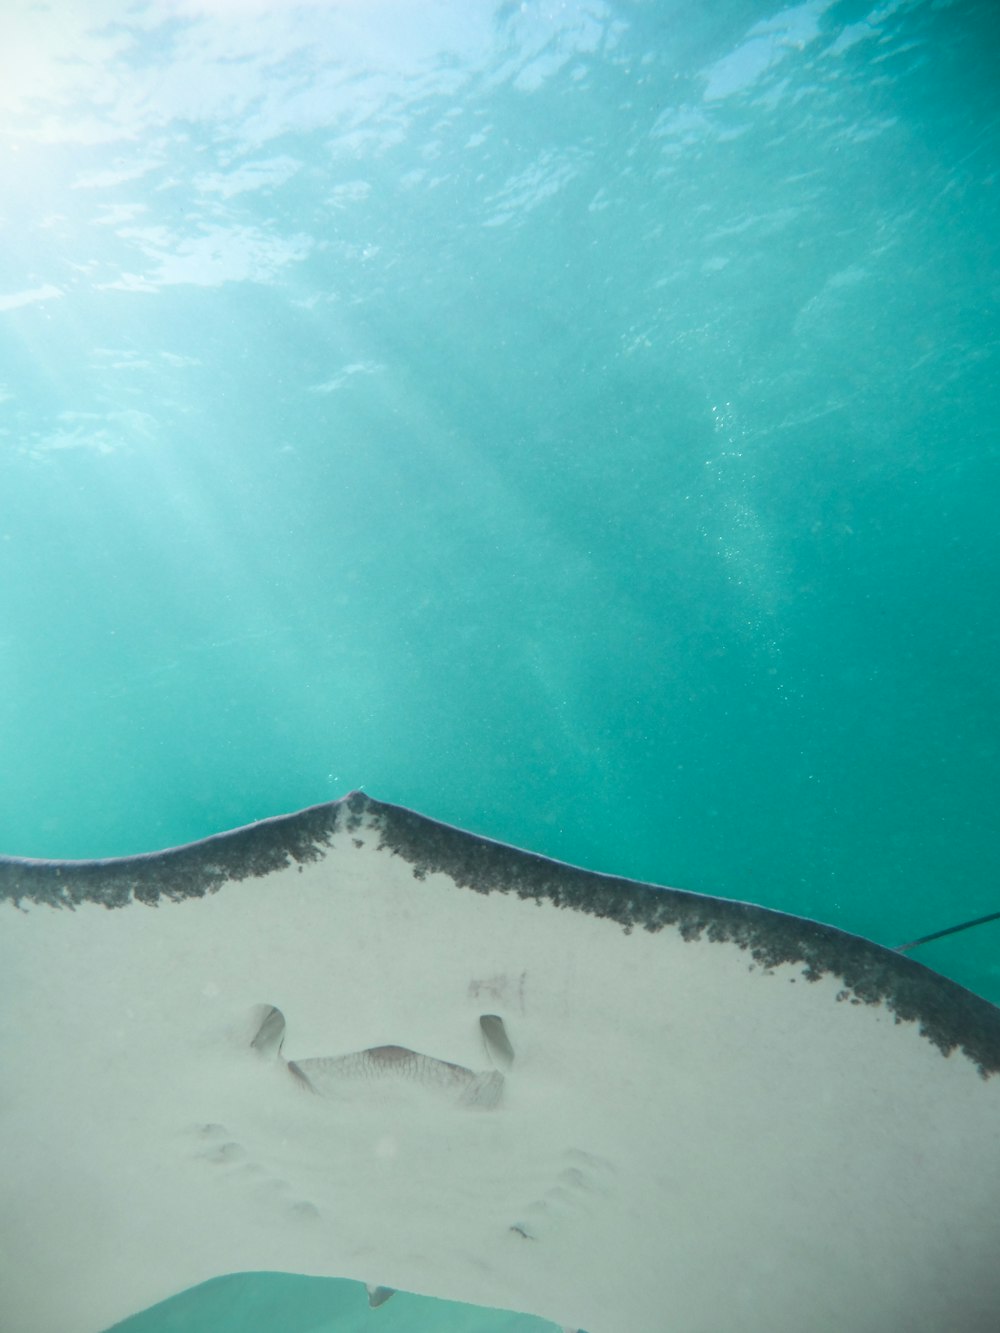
point(355, 1042)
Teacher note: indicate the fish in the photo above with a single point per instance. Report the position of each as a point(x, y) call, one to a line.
point(357, 1042)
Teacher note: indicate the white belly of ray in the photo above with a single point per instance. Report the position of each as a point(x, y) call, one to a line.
point(477, 1097)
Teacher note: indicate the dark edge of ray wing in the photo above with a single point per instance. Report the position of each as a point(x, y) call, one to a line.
point(949, 1016)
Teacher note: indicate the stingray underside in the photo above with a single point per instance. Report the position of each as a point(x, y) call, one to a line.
point(355, 1042)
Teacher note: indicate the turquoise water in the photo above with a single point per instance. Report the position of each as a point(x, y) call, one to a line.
point(284, 1303)
point(576, 421)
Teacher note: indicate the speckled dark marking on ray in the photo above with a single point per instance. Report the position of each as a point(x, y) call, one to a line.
point(949, 1016)
point(182, 872)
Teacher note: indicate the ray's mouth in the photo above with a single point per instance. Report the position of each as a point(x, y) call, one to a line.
point(330, 1076)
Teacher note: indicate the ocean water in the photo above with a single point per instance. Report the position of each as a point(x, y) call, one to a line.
point(577, 421)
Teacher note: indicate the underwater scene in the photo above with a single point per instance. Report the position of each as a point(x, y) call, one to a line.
point(575, 420)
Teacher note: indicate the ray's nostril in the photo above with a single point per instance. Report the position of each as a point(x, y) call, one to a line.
point(501, 1052)
point(270, 1030)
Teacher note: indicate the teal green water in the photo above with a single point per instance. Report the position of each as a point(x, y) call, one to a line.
point(578, 422)
point(284, 1303)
